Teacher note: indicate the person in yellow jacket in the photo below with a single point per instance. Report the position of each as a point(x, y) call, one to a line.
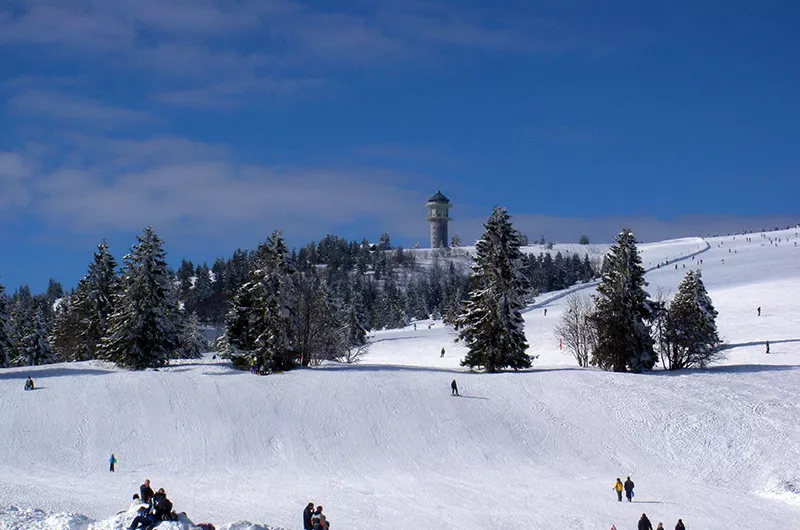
point(618, 489)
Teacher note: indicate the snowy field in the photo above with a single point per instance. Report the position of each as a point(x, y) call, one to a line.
point(383, 444)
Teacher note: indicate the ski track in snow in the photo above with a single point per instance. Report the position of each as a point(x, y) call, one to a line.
point(383, 440)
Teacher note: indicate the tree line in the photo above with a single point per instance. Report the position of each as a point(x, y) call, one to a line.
point(325, 296)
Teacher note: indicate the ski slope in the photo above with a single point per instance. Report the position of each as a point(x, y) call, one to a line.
point(384, 444)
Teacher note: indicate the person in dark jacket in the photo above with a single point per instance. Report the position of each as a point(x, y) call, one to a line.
point(644, 523)
point(680, 526)
point(29, 383)
point(628, 489)
point(144, 520)
point(162, 506)
point(146, 492)
point(307, 513)
point(454, 388)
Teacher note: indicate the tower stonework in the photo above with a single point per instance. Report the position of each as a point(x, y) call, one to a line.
point(438, 211)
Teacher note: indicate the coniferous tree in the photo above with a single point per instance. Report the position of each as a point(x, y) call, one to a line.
point(260, 320)
point(191, 342)
point(142, 331)
point(93, 302)
point(691, 337)
point(5, 338)
point(65, 338)
point(491, 325)
point(622, 310)
point(35, 346)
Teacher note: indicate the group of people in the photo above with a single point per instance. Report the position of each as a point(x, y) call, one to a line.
point(260, 369)
point(156, 507)
point(314, 519)
point(627, 487)
point(645, 524)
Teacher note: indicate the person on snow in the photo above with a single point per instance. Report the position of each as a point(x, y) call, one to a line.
point(144, 519)
point(618, 489)
point(660, 526)
point(628, 489)
point(454, 388)
point(679, 525)
point(319, 521)
point(307, 513)
point(112, 461)
point(29, 383)
point(758, 310)
point(442, 355)
point(644, 523)
point(162, 506)
point(767, 346)
point(146, 492)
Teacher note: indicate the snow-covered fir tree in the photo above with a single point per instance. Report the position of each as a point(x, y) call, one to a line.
point(691, 337)
point(622, 311)
point(260, 319)
point(142, 331)
point(81, 321)
point(5, 337)
point(65, 336)
point(35, 345)
point(191, 342)
point(491, 325)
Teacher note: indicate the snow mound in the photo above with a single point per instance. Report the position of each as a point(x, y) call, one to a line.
point(15, 518)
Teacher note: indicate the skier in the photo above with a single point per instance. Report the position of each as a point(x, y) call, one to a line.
point(146, 492)
point(454, 388)
point(767, 346)
point(307, 513)
point(660, 526)
point(545, 311)
point(112, 460)
point(680, 526)
point(644, 523)
point(318, 520)
point(29, 384)
point(144, 519)
point(442, 355)
point(758, 310)
point(628, 488)
point(618, 489)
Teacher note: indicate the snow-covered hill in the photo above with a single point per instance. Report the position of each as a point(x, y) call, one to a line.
point(383, 444)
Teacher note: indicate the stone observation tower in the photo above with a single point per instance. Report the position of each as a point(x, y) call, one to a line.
point(438, 209)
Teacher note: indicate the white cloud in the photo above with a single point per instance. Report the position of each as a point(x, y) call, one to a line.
point(62, 107)
point(13, 173)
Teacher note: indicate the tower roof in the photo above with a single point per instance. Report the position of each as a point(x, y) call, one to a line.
point(438, 197)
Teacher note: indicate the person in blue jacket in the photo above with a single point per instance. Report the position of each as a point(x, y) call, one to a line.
point(144, 520)
point(112, 460)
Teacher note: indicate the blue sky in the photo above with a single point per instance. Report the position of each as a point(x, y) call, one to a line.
point(217, 122)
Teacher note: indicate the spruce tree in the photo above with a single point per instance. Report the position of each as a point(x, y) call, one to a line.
point(491, 325)
point(35, 345)
point(622, 311)
point(259, 321)
point(65, 338)
point(5, 337)
point(691, 336)
point(93, 303)
point(142, 331)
